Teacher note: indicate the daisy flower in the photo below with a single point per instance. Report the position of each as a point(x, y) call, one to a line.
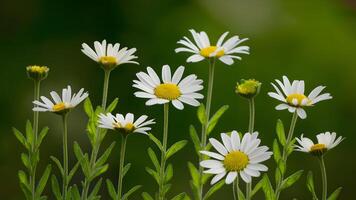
point(60, 104)
point(236, 156)
point(201, 49)
point(125, 124)
point(293, 97)
point(172, 88)
point(109, 55)
point(326, 141)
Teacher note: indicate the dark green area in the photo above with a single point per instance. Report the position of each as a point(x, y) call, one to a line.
point(310, 40)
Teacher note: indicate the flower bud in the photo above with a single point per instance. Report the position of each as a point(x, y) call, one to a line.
point(248, 88)
point(37, 73)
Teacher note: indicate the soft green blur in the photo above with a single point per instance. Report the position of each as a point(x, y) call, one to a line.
point(310, 40)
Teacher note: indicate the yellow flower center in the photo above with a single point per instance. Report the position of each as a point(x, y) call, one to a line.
point(299, 97)
point(318, 148)
point(59, 107)
point(108, 60)
point(37, 69)
point(128, 128)
point(209, 50)
point(235, 161)
point(248, 87)
point(169, 91)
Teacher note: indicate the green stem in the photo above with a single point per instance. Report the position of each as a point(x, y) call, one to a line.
point(96, 146)
point(285, 150)
point(37, 85)
point(163, 155)
point(235, 188)
point(324, 178)
point(121, 166)
point(250, 130)
point(65, 155)
point(205, 126)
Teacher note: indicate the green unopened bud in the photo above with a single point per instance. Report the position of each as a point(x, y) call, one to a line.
point(37, 73)
point(248, 88)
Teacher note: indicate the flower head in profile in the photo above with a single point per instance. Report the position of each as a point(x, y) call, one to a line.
point(235, 157)
point(326, 141)
point(293, 97)
point(226, 51)
point(125, 124)
point(36, 72)
point(109, 55)
point(59, 104)
point(248, 88)
point(172, 88)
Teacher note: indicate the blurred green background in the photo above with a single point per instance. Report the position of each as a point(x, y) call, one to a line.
point(310, 40)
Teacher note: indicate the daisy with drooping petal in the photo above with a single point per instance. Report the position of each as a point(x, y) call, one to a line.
point(125, 124)
point(326, 141)
point(235, 157)
point(172, 88)
point(60, 104)
point(109, 55)
point(202, 49)
point(293, 97)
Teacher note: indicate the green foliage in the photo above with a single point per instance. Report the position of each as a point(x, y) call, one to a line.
point(267, 188)
point(280, 132)
point(175, 148)
point(215, 118)
point(195, 138)
point(290, 180)
point(201, 113)
point(310, 185)
point(335, 194)
point(214, 189)
point(30, 160)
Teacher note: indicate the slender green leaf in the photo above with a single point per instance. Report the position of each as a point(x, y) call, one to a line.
point(29, 132)
point(41, 136)
point(111, 189)
point(75, 193)
point(153, 158)
point(101, 161)
point(335, 194)
point(276, 151)
point(96, 189)
point(72, 172)
point(20, 137)
point(155, 140)
point(267, 188)
point(194, 173)
point(240, 194)
point(290, 180)
point(43, 181)
point(290, 148)
point(175, 148)
point(280, 132)
point(213, 189)
point(195, 138)
point(153, 174)
point(113, 105)
point(310, 185)
point(180, 196)
point(26, 191)
point(215, 118)
point(169, 173)
point(25, 161)
point(23, 178)
point(58, 163)
point(131, 191)
point(55, 187)
point(126, 169)
point(146, 196)
point(257, 187)
point(88, 107)
point(202, 114)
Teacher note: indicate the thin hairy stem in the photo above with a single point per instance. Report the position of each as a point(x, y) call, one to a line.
point(121, 167)
point(323, 177)
point(205, 126)
point(65, 155)
point(250, 130)
point(163, 154)
point(285, 150)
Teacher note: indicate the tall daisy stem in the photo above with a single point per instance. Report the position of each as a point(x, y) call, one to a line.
point(163, 155)
point(250, 130)
point(96, 146)
point(65, 155)
point(121, 166)
point(37, 85)
point(285, 150)
point(205, 126)
point(235, 188)
point(324, 178)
